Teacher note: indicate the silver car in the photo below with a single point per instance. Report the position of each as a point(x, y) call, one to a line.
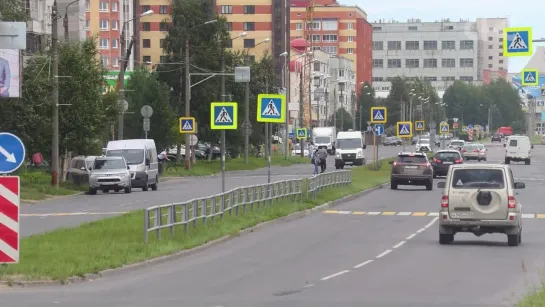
point(109, 173)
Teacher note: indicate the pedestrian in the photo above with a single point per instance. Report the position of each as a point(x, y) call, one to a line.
point(322, 154)
point(316, 161)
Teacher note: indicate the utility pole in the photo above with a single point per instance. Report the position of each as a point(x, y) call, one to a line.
point(125, 54)
point(55, 96)
point(285, 81)
point(310, 100)
point(187, 106)
point(353, 111)
point(335, 106)
point(267, 133)
point(301, 104)
point(222, 145)
point(246, 115)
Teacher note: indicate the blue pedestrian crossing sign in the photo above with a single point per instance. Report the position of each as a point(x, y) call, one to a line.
point(419, 125)
point(517, 42)
point(404, 129)
point(444, 127)
point(12, 153)
point(224, 115)
point(271, 108)
point(543, 91)
point(302, 133)
point(379, 115)
point(379, 129)
point(187, 125)
point(529, 77)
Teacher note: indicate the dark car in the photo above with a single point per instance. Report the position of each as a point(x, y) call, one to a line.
point(498, 137)
point(411, 168)
point(443, 159)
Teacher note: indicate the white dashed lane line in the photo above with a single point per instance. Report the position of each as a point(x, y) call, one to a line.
point(335, 275)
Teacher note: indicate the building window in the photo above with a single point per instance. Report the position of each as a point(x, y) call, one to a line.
point(350, 50)
point(412, 45)
point(489, 65)
point(500, 47)
point(376, 29)
point(115, 6)
point(146, 59)
point(249, 26)
point(490, 29)
point(466, 62)
point(430, 79)
point(412, 63)
point(490, 47)
point(145, 8)
point(103, 43)
point(249, 9)
point(105, 61)
point(163, 59)
point(490, 38)
point(351, 39)
point(115, 25)
point(316, 66)
point(252, 59)
point(448, 78)
point(430, 63)
point(87, 23)
point(394, 45)
point(500, 61)
point(249, 43)
point(350, 26)
point(378, 45)
point(341, 74)
point(330, 25)
point(315, 25)
point(103, 6)
point(146, 26)
point(146, 43)
point(115, 43)
point(394, 63)
point(162, 43)
point(448, 45)
point(448, 28)
point(332, 50)
point(163, 9)
point(314, 37)
point(490, 57)
point(500, 54)
point(379, 79)
point(330, 38)
point(500, 68)
point(163, 26)
point(467, 45)
point(378, 63)
point(466, 78)
point(104, 25)
point(115, 62)
point(227, 9)
point(87, 5)
point(448, 63)
point(298, 26)
point(430, 45)
point(500, 39)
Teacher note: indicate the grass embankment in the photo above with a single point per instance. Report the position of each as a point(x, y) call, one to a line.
point(118, 241)
point(535, 299)
point(204, 167)
point(36, 185)
point(536, 140)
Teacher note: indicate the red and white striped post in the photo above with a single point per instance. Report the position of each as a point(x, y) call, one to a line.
point(470, 134)
point(9, 219)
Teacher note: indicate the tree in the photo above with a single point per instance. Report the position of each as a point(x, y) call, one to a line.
point(343, 122)
point(12, 10)
point(365, 101)
point(143, 88)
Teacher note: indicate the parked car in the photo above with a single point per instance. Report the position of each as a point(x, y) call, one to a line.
point(78, 171)
point(390, 141)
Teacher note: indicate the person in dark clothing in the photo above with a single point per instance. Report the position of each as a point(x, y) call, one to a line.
point(322, 154)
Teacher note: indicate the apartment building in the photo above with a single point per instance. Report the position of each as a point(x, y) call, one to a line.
point(342, 85)
point(337, 30)
point(73, 17)
point(152, 31)
point(440, 52)
point(38, 23)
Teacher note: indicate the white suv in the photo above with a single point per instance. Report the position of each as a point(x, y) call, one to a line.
point(518, 148)
point(480, 198)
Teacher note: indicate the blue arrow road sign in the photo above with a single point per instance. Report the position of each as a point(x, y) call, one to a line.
point(379, 129)
point(470, 126)
point(12, 153)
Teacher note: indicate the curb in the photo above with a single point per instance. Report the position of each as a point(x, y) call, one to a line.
point(180, 254)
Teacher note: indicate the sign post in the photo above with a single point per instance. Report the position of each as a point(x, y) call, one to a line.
point(271, 108)
point(379, 130)
point(404, 130)
point(223, 116)
point(444, 129)
point(146, 112)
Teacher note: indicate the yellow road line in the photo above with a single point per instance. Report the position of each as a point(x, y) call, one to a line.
point(420, 213)
point(359, 212)
point(389, 213)
point(540, 216)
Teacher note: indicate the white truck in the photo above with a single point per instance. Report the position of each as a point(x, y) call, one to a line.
point(325, 137)
point(349, 147)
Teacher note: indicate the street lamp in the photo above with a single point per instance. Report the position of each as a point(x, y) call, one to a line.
point(125, 55)
point(65, 20)
point(285, 143)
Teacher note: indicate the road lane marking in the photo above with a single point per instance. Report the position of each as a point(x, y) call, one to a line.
point(71, 214)
point(388, 213)
point(431, 223)
point(344, 212)
point(399, 244)
point(417, 214)
point(421, 230)
point(362, 264)
point(528, 216)
point(384, 254)
point(411, 236)
point(335, 275)
point(308, 286)
point(405, 213)
point(540, 216)
point(358, 212)
point(420, 213)
point(374, 213)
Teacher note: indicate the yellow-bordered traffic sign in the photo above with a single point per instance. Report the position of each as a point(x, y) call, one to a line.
point(529, 77)
point(404, 129)
point(187, 125)
point(224, 115)
point(271, 108)
point(517, 42)
point(444, 128)
point(379, 115)
point(302, 133)
point(419, 125)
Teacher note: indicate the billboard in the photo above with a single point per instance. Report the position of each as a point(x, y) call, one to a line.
point(110, 81)
point(10, 73)
point(532, 90)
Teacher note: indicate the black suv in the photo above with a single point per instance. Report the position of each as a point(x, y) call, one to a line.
point(497, 138)
point(443, 159)
point(411, 168)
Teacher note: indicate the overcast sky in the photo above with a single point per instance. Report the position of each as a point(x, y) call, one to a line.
point(426, 10)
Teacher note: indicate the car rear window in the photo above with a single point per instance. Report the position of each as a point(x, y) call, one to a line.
point(447, 155)
point(470, 147)
point(456, 143)
point(513, 143)
point(478, 178)
point(411, 159)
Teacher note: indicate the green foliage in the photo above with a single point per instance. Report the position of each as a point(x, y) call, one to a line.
point(343, 120)
point(365, 101)
point(12, 10)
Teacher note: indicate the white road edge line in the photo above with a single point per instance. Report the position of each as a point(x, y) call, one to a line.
point(420, 230)
point(431, 223)
point(399, 244)
point(411, 236)
point(384, 254)
point(335, 275)
point(308, 286)
point(362, 264)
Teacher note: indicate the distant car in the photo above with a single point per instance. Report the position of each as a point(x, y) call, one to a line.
point(410, 168)
point(480, 199)
point(443, 159)
point(498, 137)
point(470, 151)
point(456, 144)
point(483, 152)
point(423, 145)
point(390, 141)
point(110, 173)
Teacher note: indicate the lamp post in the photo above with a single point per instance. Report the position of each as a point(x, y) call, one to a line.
point(125, 55)
point(285, 75)
point(65, 20)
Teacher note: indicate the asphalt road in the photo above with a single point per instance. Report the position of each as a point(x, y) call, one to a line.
point(74, 210)
point(344, 259)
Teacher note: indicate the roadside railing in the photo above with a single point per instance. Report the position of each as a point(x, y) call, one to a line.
point(236, 201)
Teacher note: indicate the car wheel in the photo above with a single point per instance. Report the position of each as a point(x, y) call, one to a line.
point(507, 161)
point(116, 190)
point(445, 238)
point(337, 167)
point(106, 191)
point(513, 240)
point(128, 190)
point(520, 236)
point(527, 162)
point(429, 185)
point(92, 191)
point(155, 185)
point(145, 187)
point(393, 185)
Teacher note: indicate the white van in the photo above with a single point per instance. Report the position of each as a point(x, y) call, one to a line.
point(349, 149)
point(518, 148)
point(141, 156)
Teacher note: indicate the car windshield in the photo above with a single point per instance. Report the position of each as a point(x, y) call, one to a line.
point(322, 139)
point(424, 141)
point(132, 156)
point(447, 155)
point(103, 164)
point(411, 159)
point(478, 178)
point(456, 143)
point(349, 143)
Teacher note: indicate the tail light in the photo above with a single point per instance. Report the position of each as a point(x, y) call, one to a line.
point(436, 161)
point(458, 161)
point(463, 150)
point(476, 150)
point(426, 164)
point(395, 163)
point(512, 203)
point(444, 201)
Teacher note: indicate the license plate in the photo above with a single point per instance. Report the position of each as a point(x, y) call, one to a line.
point(411, 167)
point(461, 215)
point(447, 162)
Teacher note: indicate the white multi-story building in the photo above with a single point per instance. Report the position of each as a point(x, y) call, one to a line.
point(341, 85)
point(319, 88)
point(440, 52)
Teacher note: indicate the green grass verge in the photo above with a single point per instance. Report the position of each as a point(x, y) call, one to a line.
point(118, 241)
point(36, 185)
point(535, 299)
point(204, 167)
point(536, 140)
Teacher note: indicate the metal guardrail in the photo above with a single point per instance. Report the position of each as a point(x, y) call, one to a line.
point(241, 199)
